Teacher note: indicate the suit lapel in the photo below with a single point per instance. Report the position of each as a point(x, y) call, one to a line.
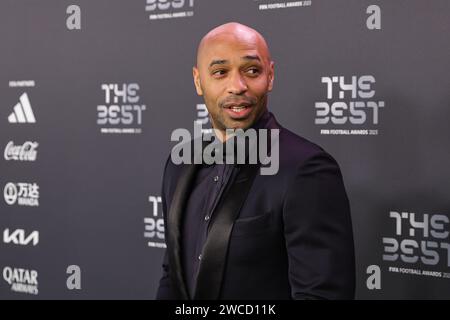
point(214, 254)
point(176, 210)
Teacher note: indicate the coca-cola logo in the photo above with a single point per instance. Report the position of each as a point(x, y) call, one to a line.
point(25, 152)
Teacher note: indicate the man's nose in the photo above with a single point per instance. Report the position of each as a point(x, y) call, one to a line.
point(237, 84)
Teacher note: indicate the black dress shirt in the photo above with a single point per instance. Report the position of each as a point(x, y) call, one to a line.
point(209, 185)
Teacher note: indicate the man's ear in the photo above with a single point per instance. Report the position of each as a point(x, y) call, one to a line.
point(271, 75)
point(196, 75)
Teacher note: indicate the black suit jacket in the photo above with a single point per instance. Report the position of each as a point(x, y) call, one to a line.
point(292, 238)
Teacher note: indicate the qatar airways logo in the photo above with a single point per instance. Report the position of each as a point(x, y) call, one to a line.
point(21, 280)
point(350, 107)
point(24, 152)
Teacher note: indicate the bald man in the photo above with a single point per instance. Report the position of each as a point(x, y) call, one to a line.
point(234, 233)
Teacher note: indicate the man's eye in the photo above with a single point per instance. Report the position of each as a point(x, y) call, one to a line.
point(253, 71)
point(219, 72)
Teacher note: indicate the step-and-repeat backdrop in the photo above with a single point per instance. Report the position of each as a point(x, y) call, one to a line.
point(90, 92)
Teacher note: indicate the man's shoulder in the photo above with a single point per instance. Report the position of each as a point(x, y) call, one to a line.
point(296, 150)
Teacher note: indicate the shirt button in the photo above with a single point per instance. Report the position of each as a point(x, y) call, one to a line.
point(216, 178)
point(207, 218)
point(200, 257)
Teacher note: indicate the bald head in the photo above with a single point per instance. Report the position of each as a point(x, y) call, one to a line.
point(236, 32)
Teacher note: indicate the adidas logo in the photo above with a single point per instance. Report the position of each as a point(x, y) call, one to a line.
point(22, 111)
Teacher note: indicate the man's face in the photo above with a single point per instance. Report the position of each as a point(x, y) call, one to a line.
point(234, 75)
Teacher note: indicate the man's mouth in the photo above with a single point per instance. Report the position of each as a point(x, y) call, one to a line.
point(238, 111)
point(238, 108)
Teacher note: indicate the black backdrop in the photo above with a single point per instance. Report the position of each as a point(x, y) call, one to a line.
point(106, 82)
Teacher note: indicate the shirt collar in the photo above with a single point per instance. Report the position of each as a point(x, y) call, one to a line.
point(261, 123)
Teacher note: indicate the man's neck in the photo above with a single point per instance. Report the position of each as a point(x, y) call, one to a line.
point(222, 134)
